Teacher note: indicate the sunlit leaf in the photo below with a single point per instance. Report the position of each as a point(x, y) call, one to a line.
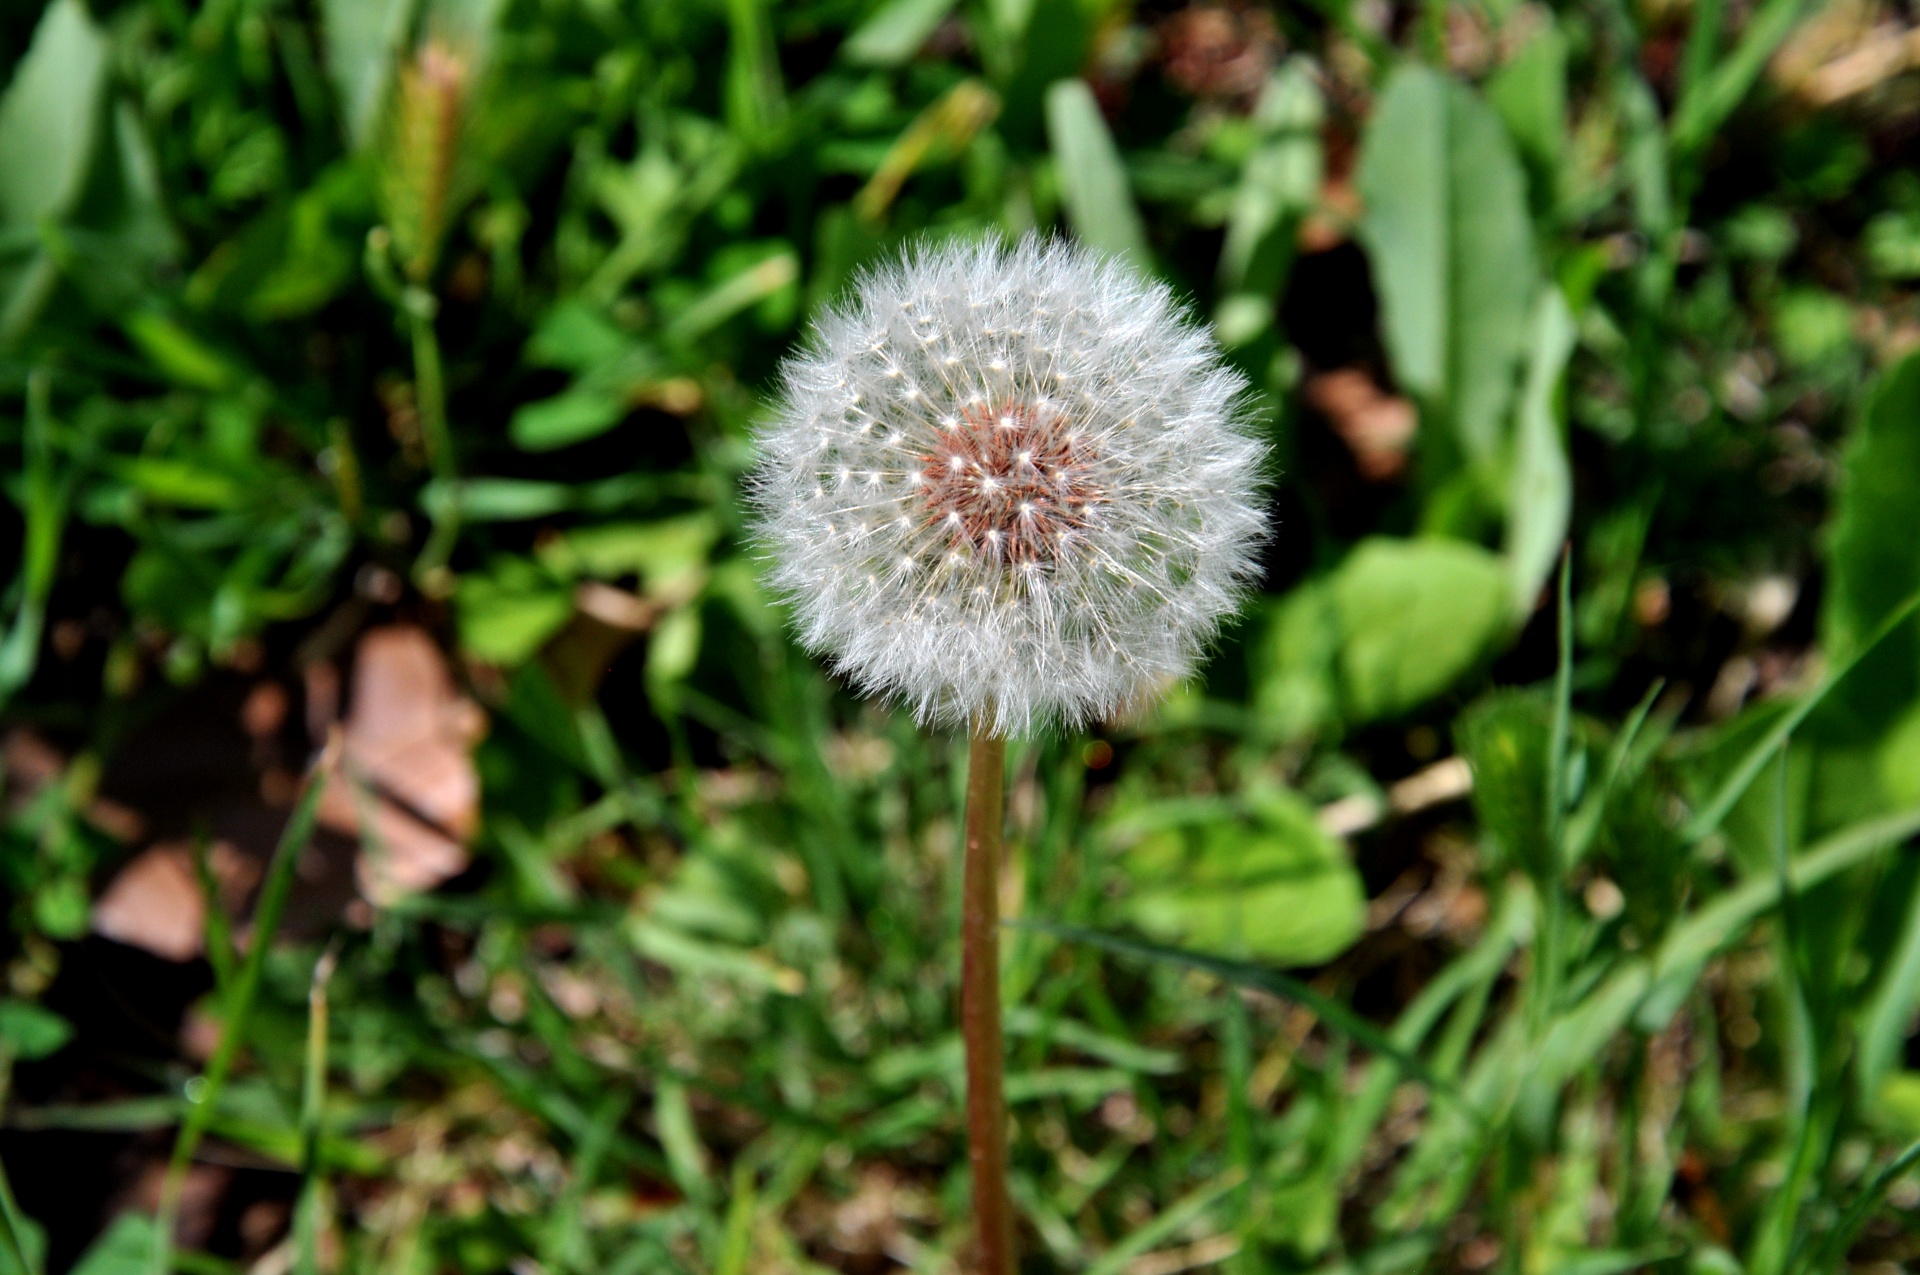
point(1451, 245)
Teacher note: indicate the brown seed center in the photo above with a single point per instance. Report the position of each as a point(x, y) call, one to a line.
point(1011, 483)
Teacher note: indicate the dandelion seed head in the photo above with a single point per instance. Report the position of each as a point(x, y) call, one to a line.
point(1050, 526)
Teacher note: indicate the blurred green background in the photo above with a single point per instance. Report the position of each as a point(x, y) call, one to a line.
point(384, 371)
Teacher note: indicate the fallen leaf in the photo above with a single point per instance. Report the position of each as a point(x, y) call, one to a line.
point(406, 782)
point(155, 903)
point(1220, 51)
point(1377, 427)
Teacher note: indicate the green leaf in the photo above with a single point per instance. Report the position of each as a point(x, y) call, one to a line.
point(670, 556)
point(1280, 181)
point(1093, 183)
point(1414, 616)
point(1267, 884)
point(43, 497)
point(755, 97)
point(1294, 664)
point(50, 122)
point(1447, 232)
point(125, 1249)
point(181, 356)
point(894, 32)
point(564, 419)
point(1811, 326)
point(576, 336)
point(1540, 482)
point(507, 614)
point(31, 1031)
point(1530, 92)
point(672, 652)
point(50, 117)
point(1872, 563)
point(1711, 813)
point(1506, 739)
point(363, 38)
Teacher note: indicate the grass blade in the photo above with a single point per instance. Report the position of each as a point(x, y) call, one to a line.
point(1863, 1207)
point(1709, 101)
point(1115, 1259)
point(313, 1094)
point(1693, 940)
point(1093, 183)
point(1259, 977)
point(239, 1002)
point(1709, 817)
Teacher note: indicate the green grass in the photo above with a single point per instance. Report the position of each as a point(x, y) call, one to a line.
point(297, 340)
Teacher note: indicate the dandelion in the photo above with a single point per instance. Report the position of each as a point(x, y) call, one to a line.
point(1010, 488)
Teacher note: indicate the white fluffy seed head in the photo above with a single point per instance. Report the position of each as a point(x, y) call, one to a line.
point(1010, 487)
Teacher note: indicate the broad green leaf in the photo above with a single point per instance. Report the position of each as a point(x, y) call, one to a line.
point(177, 480)
point(51, 116)
point(1873, 557)
point(1448, 235)
point(1540, 481)
point(1093, 182)
point(1645, 161)
point(1266, 884)
point(1414, 616)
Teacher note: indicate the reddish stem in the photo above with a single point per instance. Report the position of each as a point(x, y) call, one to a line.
point(980, 1002)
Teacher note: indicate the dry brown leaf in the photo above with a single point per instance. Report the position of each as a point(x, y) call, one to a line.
point(1220, 51)
point(155, 903)
point(1376, 426)
point(406, 783)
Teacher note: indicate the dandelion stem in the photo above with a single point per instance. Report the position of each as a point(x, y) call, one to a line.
point(980, 1002)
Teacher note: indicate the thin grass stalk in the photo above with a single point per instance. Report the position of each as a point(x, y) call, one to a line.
point(313, 1097)
point(430, 398)
point(980, 1001)
point(237, 1004)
